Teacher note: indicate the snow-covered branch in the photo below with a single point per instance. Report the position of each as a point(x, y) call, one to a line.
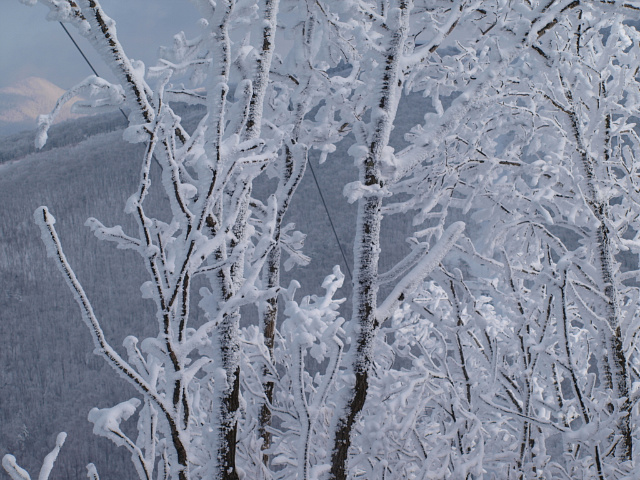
point(18, 473)
point(418, 273)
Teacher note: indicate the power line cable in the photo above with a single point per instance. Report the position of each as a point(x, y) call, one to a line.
point(326, 209)
point(79, 49)
point(313, 173)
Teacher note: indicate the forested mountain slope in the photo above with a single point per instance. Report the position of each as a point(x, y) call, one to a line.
point(50, 378)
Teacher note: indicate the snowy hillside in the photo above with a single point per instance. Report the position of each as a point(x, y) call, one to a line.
point(50, 378)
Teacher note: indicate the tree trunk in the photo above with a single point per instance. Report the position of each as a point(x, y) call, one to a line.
point(366, 247)
point(614, 365)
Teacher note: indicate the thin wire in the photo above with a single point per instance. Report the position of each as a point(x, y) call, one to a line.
point(79, 49)
point(85, 58)
point(313, 173)
point(326, 209)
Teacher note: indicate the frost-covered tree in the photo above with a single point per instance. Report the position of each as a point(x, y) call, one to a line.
point(593, 92)
point(507, 325)
point(523, 174)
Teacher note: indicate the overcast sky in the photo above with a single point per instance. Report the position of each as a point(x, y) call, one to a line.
point(30, 45)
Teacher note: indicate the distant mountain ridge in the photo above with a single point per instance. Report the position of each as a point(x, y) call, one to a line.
point(22, 102)
point(15, 146)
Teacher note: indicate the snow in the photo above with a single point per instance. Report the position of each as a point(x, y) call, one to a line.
point(13, 469)
point(356, 190)
point(47, 464)
point(106, 421)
